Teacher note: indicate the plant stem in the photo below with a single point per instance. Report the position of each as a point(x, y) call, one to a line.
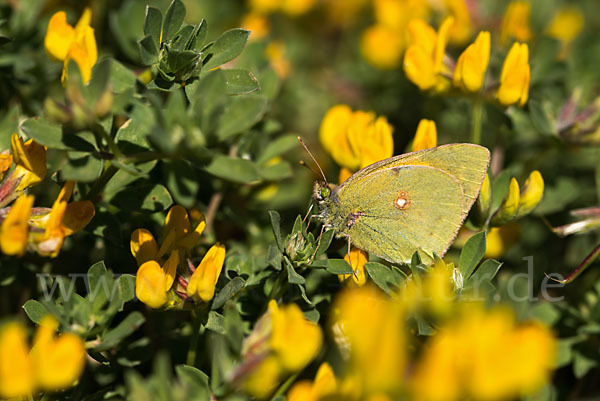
point(99, 185)
point(192, 350)
point(285, 386)
point(476, 121)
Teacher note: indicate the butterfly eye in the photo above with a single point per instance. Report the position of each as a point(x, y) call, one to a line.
point(325, 192)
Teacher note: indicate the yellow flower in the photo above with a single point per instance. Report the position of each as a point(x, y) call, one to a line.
point(396, 13)
point(63, 220)
point(499, 240)
point(462, 27)
point(64, 43)
point(204, 279)
point(515, 76)
point(58, 361)
point(359, 259)
point(381, 46)
point(283, 341)
point(472, 64)
point(531, 193)
point(275, 53)
point(515, 23)
point(565, 26)
point(16, 372)
point(153, 282)
point(355, 139)
point(257, 24)
point(294, 339)
point(30, 160)
point(295, 8)
point(177, 236)
point(6, 161)
point(54, 363)
point(423, 60)
point(324, 385)
point(484, 355)
point(433, 293)
point(263, 380)
point(519, 203)
point(485, 196)
point(372, 328)
point(510, 205)
point(426, 136)
point(264, 6)
point(14, 230)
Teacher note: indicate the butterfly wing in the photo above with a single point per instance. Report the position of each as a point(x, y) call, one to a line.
point(413, 202)
point(465, 161)
point(399, 210)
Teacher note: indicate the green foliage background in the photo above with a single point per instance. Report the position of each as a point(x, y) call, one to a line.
point(212, 142)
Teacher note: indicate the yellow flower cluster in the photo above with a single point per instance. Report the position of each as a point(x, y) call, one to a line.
point(158, 265)
point(355, 139)
point(22, 225)
point(283, 342)
point(484, 355)
point(64, 42)
point(518, 202)
point(424, 64)
point(383, 43)
point(475, 353)
point(54, 363)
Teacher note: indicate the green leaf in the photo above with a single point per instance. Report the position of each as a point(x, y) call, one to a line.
point(199, 36)
point(44, 132)
point(233, 169)
point(183, 37)
point(121, 77)
point(173, 20)
point(182, 63)
point(583, 363)
point(35, 310)
point(82, 167)
point(540, 118)
point(144, 197)
point(324, 242)
point(215, 322)
point(228, 292)
point(113, 337)
point(277, 147)
point(227, 47)
point(275, 172)
point(101, 284)
point(240, 114)
point(274, 257)
point(487, 271)
point(276, 224)
point(153, 24)
point(148, 50)
point(194, 381)
point(338, 266)
point(499, 190)
point(293, 277)
point(386, 278)
point(471, 254)
point(181, 180)
point(239, 82)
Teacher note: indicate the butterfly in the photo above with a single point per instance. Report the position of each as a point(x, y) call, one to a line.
point(415, 202)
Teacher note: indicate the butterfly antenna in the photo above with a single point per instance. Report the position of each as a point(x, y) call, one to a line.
point(313, 158)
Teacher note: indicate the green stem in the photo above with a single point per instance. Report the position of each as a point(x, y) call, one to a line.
point(193, 349)
point(286, 385)
point(476, 121)
point(99, 185)
point(112, 146)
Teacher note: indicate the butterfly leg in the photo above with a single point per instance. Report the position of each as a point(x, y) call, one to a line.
point(307, 213)
point(354, 272)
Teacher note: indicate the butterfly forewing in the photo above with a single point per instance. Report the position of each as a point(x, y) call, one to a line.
point(413, 202)
point(402, 210)
point(465, 161)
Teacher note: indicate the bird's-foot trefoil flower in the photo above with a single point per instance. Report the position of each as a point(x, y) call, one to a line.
point(515, 76)
point(355, 139)
point(515, 23)
point(53, 363)
point(64, 42)
point(426, 135)
point(282, 342)
point(424, 58)
point(470, 68)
